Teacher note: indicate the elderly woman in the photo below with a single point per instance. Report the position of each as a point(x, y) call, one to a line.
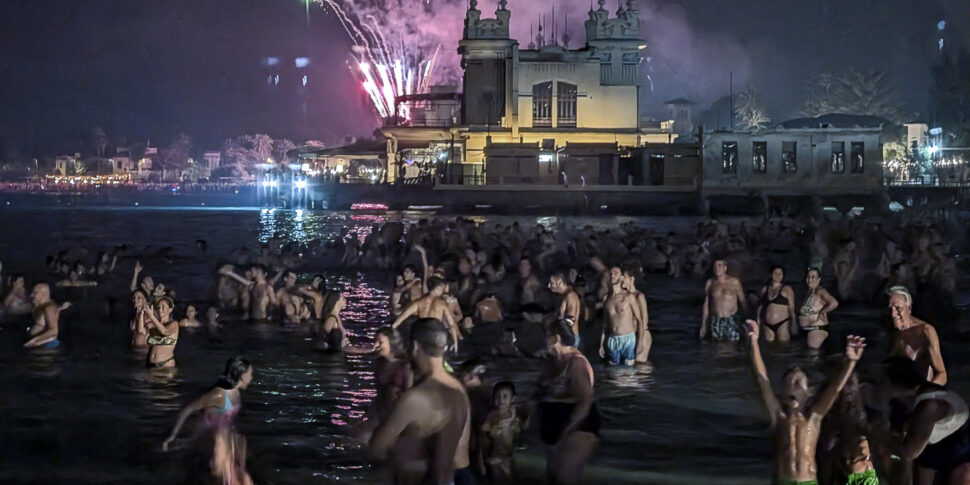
point(813, 314)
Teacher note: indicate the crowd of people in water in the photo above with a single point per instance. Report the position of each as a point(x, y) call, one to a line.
point(433, 421)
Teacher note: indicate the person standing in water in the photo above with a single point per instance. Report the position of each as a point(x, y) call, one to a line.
point(776, 313)
point(163, 334)
point(570, 306)
point(723, 297)
point(797, 427)
point(813, 315)
point(914, 338)
point(426, 434)
point(46, 315)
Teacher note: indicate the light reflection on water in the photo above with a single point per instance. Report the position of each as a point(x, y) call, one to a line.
point(695, 414)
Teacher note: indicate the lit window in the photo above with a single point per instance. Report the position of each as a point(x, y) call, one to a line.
point(789, 161)
point(729, 157)
point(838, 156)
point(759, 156)
point(542, 104)
point(858, 157)
point(566, 117)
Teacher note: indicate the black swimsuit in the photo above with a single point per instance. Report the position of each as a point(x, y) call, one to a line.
point(777, 300)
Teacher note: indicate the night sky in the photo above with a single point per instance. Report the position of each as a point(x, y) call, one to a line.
point(149, 69)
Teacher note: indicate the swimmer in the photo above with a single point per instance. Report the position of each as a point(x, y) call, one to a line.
point(432, 305)
point(163, 334)
point(723, 297)
point(569, 419)
point(489, 309)
point(262, 296)
point(498, 434)
point(914, 338)
point(212, 318)
point(570, 306)
point(46, 315)
point(330, 332)
point(221, 403)
point(813, 315)
point(426, 435)
point(644, 338)
point(797, 427)
point(936, 432)
point(528, 284)
point(777, 309)
point(190, 320)
point(16, 302)
point(74, 280)
point(139, 332)
point(507, 345)
point(618, 342)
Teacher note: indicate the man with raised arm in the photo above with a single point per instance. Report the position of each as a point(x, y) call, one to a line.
point(796, 428)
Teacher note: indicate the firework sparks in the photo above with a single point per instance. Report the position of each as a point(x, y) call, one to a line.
point(386, 69)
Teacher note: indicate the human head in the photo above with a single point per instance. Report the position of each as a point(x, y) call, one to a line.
point(191, 312)
point(259, 272)
point(525, 268)
point(559, 334)
point(503, 393)
point(813, 278)
point(398, 280)
point(139, 299)
point(557, 283)
point(318, 283)
point(164, 307)
point(289, 279)
point(720, 267)
point(428, 340)
point(41, 294)
point(796, 391)
point(437, 286)
point(777, 274)
point(408, 273)
point(615, 274)
point(238, 374)
point(390, 343)
point(19, 282)
point(900, 306)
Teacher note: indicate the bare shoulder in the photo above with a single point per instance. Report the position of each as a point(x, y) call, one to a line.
point(928, 329)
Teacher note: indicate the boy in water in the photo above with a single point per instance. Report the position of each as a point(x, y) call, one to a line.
point(498, 434)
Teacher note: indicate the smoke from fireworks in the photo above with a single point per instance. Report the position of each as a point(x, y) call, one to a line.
point(386, 58)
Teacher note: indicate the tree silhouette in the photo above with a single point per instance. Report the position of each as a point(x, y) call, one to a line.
point(855, 91)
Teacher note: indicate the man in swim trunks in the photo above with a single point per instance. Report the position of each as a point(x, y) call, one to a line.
point(569, 303)
point(644, 338)
point(426, 434)
point(620, 317)
point(432, 305)
point(46, 315)
point(797, 428)
point(723, 296)
point(915, 338)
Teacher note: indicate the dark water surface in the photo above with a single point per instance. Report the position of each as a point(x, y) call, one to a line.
point(88, 412)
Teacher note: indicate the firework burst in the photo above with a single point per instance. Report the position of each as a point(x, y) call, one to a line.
point(386, 67)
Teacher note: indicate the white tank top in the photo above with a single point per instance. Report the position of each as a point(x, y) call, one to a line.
point(952, 421)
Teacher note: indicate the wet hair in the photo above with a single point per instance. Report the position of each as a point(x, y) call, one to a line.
point(323, 281)
point(776, 266)
point(394, 338)
point(430, 335)
point(137, 291)
point(235, 368)
point(502, 386)
point(903, 373)
point(559, 275)
point(435, 282)
point(564, 331)
point(289, 272)
point(901, 290)
point(817, 271)
point(409, 267)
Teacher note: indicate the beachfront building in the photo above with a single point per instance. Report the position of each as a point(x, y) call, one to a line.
point(545, 114)
point(831, 155)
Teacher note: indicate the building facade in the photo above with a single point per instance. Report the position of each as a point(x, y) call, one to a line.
point(572, 113)
point(832, 154)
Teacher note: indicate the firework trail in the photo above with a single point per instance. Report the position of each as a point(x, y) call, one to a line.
point(386, 69)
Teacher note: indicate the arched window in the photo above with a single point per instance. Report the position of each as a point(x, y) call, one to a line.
point(566, 117)
point(542, 104)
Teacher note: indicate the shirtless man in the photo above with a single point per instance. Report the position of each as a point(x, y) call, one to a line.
point(915, 338)
point(432, 305)
point(644, 338)
point(797, 428)
point(620, 311)
point(46, 315)
point(569, 303)
point(723, 295)
point(426, 434)
point(261, 291)
point(528, 283)
point(489, 309)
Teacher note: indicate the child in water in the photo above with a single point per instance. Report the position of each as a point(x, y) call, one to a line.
point(499, 433)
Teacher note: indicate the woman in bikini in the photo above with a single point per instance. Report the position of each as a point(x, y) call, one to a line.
point(569, 420)
point(777, 310)
point(219, 407)
point(813, 318)
point(16, 303)
point(139, 332)
point(330, 332)
point(163, 334)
